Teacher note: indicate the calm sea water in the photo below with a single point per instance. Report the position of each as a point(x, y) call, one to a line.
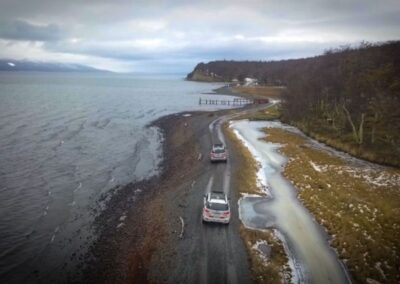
point(66, 138)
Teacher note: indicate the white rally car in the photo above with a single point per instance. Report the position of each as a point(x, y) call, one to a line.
point(218, 153)
point(216, 208)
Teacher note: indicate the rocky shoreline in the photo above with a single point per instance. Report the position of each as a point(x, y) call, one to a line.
point(140, 216)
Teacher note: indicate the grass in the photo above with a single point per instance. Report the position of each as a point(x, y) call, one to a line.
point(272, 270)
point(380, 152)
point(260, 91)
point(359, 206)
point(270, 113)
point(275, 269)
point(246, 175)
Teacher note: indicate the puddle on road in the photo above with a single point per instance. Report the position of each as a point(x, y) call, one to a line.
point(315, 261)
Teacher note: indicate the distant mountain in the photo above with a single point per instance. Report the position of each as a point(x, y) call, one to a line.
point(25, 65)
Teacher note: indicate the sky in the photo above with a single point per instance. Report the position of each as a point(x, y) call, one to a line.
point(173, 36)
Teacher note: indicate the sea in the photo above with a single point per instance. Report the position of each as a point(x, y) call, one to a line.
point(65, 140)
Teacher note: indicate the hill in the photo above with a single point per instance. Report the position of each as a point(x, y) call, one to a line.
point(348, 98)
point(25, 65)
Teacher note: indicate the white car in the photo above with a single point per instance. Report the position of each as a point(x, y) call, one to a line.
point(218, 153)
point(216, 208)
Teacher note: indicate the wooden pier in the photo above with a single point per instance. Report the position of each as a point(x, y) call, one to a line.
point(234, 102)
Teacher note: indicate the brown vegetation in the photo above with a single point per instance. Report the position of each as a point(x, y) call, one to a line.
point(359, 206)
point(349, 97)
point(269, 113)
point(273, 92)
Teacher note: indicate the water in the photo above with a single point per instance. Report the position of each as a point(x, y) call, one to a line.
point(313, 261)
point(66, 138)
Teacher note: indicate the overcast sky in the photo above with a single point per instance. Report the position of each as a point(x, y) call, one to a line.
point(172, 36)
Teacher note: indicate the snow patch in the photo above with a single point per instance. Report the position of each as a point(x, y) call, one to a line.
point(263, 250)
point(261, 178)
point(295, 267)
point(249, 195)
point(315, 166)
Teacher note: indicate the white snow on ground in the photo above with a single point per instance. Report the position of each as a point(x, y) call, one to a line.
point(249, 195)
point(295, 267)
point(372, 281)
point(374, 176)
point(11, 64)
point(378, 267)
point(315, 166)
point(260, 253)
point(261, 178)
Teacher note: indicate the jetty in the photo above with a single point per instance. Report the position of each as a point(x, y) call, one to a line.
point(232, 102)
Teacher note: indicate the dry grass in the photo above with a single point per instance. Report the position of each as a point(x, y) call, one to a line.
point(269, 113)
point(260, 91)
point(360, 207)
point(246, 174)
point(381, 152)
point(272, 270)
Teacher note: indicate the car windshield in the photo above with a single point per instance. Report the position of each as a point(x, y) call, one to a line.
point(217, 206)
point(219, 151)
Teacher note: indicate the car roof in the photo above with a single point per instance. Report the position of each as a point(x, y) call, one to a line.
point(218, 145)
point(220, 201)
point(217, 196)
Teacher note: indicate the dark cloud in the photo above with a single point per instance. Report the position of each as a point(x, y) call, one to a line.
point(22, 30)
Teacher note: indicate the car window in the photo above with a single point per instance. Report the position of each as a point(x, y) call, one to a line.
point(217, 206)
point(219, 151)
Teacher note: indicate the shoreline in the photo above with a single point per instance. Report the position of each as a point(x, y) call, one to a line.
point(136, 204)
point(134, 213)
point(147, 227)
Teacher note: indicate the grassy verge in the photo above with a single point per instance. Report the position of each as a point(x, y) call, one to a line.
point(359, 206)
point(270, 113)
point(381, 152)
point(275, 268)
point(260, 91)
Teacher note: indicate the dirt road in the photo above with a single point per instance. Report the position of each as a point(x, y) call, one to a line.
point(148, 247)
point(210, 253)
point(207, 253)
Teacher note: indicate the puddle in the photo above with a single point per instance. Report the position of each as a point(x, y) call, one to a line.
point(315, 260)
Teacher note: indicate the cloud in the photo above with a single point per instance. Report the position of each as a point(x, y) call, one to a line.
point(23, 30)
point(175, 35)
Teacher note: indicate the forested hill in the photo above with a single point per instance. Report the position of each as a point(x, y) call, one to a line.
point(271, 72)
point(348, 97)
point(279, 72)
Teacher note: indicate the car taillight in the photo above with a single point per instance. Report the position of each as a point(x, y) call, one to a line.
point(227, 212)
point(206, 210)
